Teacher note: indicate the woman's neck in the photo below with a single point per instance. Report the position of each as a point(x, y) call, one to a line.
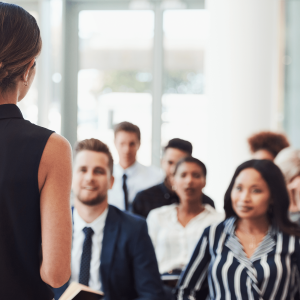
point(253, 226)
point(190, 207)
point(9, 97)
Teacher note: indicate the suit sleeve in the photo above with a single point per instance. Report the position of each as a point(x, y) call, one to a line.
point(193, 281)
point(296, 287)
point(137, 205)
point(148, 284)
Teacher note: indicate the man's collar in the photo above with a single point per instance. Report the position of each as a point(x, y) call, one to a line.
point(10, 111)
point(130, 170)
point(97, 225)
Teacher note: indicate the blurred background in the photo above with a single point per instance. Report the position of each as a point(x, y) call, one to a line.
point(212, 72)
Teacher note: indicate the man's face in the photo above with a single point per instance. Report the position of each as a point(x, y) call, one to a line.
point(127, 144)
point(92, 177)
point(170, 159)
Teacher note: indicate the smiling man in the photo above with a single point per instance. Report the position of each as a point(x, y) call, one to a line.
point(112, 250)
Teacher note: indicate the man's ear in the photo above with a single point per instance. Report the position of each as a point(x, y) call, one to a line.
point(112, 180)
point(26, 74)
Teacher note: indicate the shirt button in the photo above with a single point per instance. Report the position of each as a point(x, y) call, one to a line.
point(167, 196)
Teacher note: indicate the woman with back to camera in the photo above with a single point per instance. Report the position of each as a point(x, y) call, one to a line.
point(255, 252)
point(175, 229)
point(35, 175)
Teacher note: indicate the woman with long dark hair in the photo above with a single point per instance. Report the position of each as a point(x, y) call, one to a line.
point(255, 252)
point(35, 175)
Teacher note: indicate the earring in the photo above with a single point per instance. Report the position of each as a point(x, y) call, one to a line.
point(173, 187)
point(25, 83)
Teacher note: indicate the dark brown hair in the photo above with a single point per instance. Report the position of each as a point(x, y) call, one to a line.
point(20, 42)
point(279, 209)
point(190, 159)
point(267, 140)
point(97, 146)
point(128, 127)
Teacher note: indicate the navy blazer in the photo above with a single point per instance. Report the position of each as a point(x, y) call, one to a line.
point(128, 266)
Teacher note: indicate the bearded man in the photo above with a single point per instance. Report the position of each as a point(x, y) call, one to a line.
point(112, 250)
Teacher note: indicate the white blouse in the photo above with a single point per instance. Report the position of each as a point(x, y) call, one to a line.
point(173, 243)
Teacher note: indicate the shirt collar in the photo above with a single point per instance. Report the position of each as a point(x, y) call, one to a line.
point(230, 228)
point(207, 210)
point(130, 170)
point(97, 225)
point(10, 111)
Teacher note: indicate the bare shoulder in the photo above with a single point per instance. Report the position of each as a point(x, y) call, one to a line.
point(57, 156)
point(57, 143)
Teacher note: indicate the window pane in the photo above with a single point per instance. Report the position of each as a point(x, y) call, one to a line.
point(114, 81)
point(184, 104)
point(185, 35)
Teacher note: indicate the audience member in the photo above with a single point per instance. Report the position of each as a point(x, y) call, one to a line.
point(267, 144)
point(255, 252)
point(175, 229)
point(163, 193)
point(288, 160)
point(112, 250)
point(130, 176)
point(35, 174)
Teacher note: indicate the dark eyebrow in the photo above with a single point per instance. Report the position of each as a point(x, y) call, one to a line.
point(98, 167)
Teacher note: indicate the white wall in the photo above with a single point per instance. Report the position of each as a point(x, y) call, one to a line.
point(243, 82)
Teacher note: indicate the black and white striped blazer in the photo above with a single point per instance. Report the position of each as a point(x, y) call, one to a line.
point(220, 269)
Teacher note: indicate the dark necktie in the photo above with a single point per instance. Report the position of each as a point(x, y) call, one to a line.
point(84, 275)
point(125, 190)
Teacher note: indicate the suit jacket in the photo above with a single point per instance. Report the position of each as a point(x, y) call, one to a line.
point(128, 268)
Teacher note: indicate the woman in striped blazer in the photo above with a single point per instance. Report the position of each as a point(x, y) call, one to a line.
point(255, 253)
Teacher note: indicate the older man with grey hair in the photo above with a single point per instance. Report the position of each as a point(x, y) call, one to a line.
point(288, 160)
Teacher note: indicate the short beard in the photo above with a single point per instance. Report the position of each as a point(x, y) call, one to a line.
point(93, 202)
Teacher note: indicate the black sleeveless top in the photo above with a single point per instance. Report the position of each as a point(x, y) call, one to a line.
point(21, 147)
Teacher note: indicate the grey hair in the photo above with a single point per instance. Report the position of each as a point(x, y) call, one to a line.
point(288, 160)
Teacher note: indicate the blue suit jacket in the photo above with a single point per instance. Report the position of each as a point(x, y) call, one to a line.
point(128, 266)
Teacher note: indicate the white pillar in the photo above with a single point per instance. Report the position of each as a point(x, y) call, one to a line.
point(243, 82)
point(157, 85)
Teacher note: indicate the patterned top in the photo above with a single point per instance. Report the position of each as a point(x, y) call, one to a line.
point(220, 269)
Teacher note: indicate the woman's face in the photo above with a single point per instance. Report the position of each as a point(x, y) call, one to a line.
point(250, 195)
point(189, 181)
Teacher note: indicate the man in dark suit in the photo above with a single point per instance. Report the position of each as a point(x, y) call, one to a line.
point(112, 250)
point(162, 194)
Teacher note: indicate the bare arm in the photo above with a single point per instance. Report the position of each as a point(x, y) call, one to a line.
point(55, 178)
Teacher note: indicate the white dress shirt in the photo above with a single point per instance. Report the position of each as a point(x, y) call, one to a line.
point(78, 239)
point(173, 243)
point(139, 177)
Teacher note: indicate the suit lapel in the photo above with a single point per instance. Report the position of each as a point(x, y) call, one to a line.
point(111, 232)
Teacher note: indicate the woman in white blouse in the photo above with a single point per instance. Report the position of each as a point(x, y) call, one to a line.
point(175, 229)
